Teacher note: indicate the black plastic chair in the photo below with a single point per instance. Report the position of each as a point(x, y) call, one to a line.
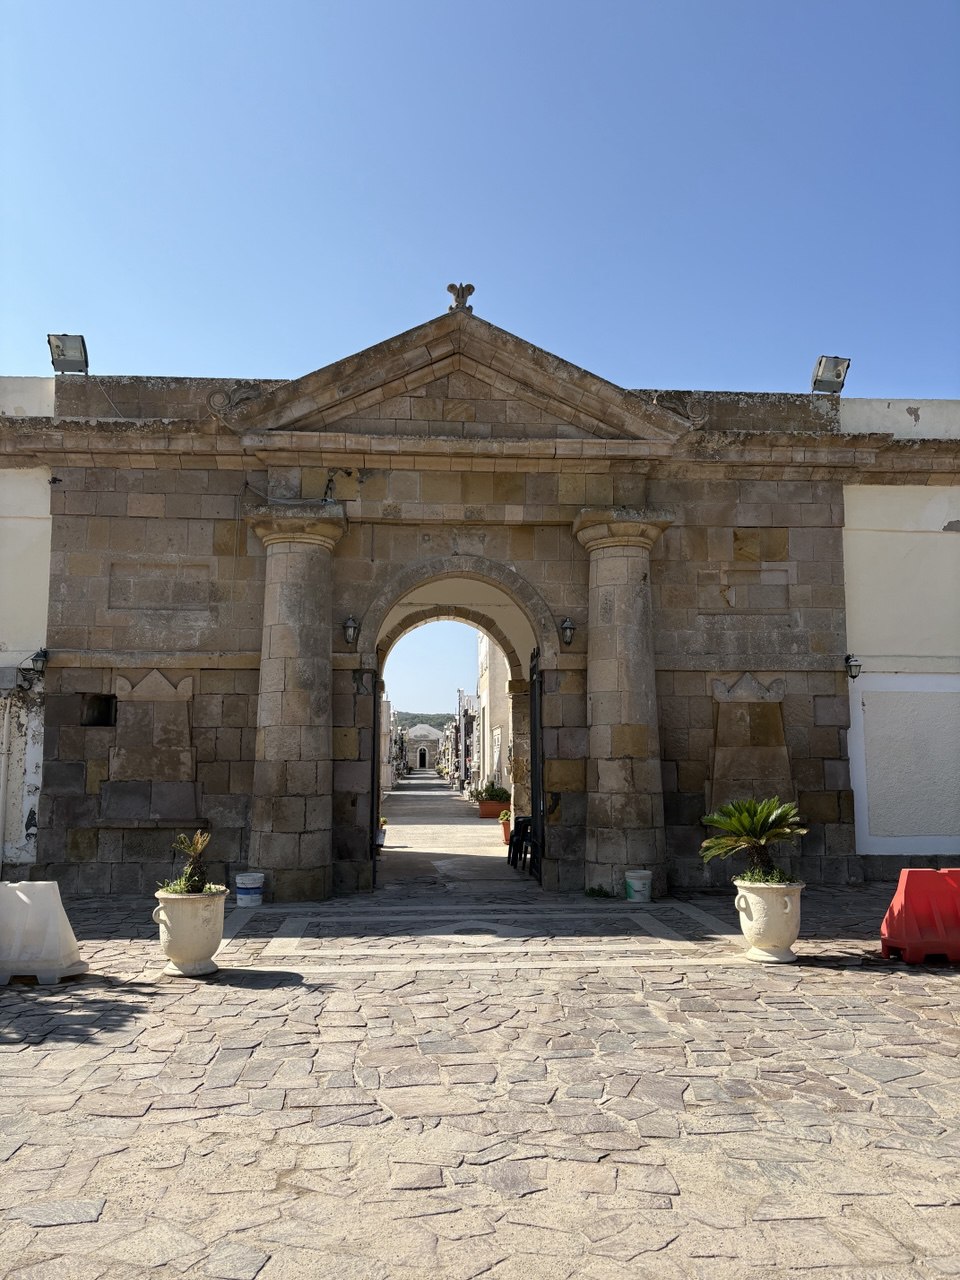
point(518, 838)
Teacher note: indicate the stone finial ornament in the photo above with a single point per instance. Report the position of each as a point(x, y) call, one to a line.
point(461, 292)
point(225, 401)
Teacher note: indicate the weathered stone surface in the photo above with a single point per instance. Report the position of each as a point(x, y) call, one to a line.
point(58, 1213)
point(234, 1261)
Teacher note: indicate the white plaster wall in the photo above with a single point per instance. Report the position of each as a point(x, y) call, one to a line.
point(493, 672)
point(24, 562)
point(905, 763)
point(24, 591)
point(21, 764)
point(901, 550)
point(904, 419)
point(26, 397)
point(387, 777)
point(902, 583)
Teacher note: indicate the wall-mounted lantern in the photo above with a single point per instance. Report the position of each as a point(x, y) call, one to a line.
point(351, 629)
point(31, 669)
point(567, 628)
point(853, 665)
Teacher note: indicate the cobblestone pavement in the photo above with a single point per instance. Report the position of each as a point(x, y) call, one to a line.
point(461, 1076)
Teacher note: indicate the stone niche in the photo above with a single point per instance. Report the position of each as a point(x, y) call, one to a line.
point(750, 756)
point(152, 768)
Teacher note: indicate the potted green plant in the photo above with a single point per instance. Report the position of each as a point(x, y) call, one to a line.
point(491, 798)
point(506, 821)
point(382, 832)
point(190, 914)
point(767, 901)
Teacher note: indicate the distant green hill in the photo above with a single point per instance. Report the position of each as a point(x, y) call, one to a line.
point(436, 719)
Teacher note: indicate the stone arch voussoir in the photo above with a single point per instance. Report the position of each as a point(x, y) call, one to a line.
point(439, 613)
point(478, 568)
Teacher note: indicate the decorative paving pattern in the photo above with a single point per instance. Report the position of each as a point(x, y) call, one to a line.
point(458, 936)
point(594, 1097)
point(497, 1084)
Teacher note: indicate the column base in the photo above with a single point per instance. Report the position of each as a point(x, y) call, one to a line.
point(313, 885)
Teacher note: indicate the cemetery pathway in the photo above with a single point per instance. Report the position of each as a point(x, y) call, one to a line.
point(435, 837)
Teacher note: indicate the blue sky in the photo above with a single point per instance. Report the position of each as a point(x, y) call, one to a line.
point(680, 193)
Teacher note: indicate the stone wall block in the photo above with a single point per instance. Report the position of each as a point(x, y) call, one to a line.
point(573, 744)
point(302, 885)
point(62, 778)
point(316, 743)
point(278, 850)
point(609, 846)
point(318, 814)
point(841, 841)
point(241, 777)
point(123, 802)
point(278, 743)
point(287, 813)
point(225, 811)
point(173, 801)
point(601, 742)
point(831, 711)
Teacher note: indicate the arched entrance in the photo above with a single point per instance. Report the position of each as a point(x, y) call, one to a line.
point(437, 832)
point(493, 598)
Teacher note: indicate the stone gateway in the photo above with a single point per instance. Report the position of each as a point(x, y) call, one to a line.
point(209, 540)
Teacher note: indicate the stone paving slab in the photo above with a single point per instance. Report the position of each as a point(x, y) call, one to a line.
point(595, 1093)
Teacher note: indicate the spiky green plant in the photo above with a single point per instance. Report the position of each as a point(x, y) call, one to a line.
point(751, 827)
point(194, 876)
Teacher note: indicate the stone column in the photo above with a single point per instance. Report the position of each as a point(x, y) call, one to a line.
point(624, 789)
point(292, 782)
point(518, 691)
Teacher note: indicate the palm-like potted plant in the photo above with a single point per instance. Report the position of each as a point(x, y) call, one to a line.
point(506, 820)
point(190, 914)
point(768, 901)
point(491, 798)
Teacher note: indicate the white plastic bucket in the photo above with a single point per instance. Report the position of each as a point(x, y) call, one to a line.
point(249, 887)
point(638, 885)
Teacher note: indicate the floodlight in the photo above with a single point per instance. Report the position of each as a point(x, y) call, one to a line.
point(829, 374)
point(68, 352)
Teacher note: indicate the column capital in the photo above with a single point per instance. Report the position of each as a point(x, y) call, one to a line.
point(597, 527)
point(317, 523)
point(518, 688)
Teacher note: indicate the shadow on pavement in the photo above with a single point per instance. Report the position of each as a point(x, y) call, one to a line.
point(76, 1010)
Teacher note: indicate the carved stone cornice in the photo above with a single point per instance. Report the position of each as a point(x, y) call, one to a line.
point(318, 523)
point(597, 527)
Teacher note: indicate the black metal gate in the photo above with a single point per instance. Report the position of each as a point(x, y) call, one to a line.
point(537, 832)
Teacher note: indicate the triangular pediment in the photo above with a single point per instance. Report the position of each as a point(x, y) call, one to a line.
point(453, 369)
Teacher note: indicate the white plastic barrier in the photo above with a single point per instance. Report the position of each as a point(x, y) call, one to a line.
point(36, 939)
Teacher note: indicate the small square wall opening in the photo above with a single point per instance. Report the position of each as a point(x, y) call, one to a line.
point(99, 710)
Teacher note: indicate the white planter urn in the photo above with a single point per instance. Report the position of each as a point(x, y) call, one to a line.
point(191, 930)
point(770, 919)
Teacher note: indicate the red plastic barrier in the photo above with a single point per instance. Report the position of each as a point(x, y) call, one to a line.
point(924, 917)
